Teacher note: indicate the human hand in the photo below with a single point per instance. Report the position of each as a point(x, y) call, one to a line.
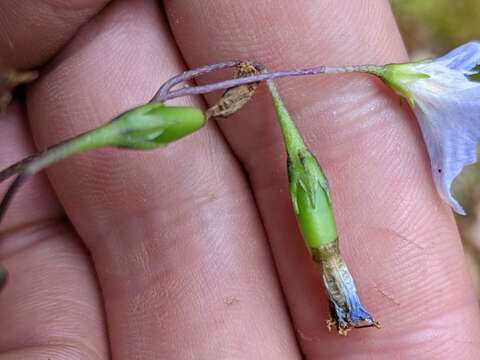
point(170, 254)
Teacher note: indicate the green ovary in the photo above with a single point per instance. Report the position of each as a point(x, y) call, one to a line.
point(317, 225)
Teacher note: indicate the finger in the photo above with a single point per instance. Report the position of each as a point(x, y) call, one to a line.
point(399, 239)
point(50, 308)
point(177, 245)
point(32, 31)
point(41, 321)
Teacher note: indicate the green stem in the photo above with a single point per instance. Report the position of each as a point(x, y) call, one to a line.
point(291, 136)
point(90, 140)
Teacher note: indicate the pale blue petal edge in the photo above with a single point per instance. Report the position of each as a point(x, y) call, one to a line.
point(451, 134)
point(464, 57)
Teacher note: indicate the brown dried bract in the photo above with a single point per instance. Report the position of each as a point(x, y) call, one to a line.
point(235, 98)
point(346, 311)
point(9, 80)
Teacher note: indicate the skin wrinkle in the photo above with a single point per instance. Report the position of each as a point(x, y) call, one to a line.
point(47, 309)
point(60, 351)
point(20, 238)
point(158, 245)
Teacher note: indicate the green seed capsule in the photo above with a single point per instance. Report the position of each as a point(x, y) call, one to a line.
point(308, 185)
point(311, 199)
point(313, 208)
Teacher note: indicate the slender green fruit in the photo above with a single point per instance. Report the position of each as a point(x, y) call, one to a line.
point(309, 189)
point(312, 205)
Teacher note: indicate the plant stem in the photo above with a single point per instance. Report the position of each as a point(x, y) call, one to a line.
point(165, 94)
point(29, 166)
point(162, 93)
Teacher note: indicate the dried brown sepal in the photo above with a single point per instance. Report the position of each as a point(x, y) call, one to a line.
point(235, 98)
point(346, 311)
point(9, 80)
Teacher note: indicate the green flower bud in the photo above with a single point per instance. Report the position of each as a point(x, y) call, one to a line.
point(310, 198)
point(153, 125)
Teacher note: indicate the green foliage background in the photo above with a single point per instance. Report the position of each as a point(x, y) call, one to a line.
point(435, 26)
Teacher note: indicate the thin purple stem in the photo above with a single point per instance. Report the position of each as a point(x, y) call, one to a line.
point(165, 94)
point(162, 93)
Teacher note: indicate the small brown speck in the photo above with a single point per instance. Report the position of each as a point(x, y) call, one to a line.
point(231, 301)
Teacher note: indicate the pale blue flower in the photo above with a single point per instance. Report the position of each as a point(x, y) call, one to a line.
point(445, 96)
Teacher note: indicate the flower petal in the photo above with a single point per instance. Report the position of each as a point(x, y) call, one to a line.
point(451, 131)
point(464, 57)
point(446, 102)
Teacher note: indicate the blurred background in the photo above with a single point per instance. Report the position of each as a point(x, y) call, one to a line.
point(430, 28)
